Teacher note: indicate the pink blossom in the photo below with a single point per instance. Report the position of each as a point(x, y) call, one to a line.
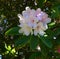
point(33, 21)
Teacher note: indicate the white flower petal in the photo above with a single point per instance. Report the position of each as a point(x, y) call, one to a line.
point(25, 14)
point(27, 8)
point(26, 33)
point(41, 32)
point(48, 20)
point(38, 11)
point(21, 30)
point(32, 12)
point(19, 15)
point(35, 32)
point(45, 26)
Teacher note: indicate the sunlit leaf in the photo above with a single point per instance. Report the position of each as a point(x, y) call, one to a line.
point(12, 31)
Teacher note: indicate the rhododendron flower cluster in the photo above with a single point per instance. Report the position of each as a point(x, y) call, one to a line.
point(33, 22)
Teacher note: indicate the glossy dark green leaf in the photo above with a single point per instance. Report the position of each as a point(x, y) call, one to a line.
point(46, 41)
point(43, 49)
point(22, 41)
point(12, 31)
point(33, 42)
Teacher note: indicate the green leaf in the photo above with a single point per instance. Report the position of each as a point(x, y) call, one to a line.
point(53, 33)
point(55, 12)
point(33, 42)
point(12, 31)
point(52, 24)
point(44, 50)
point(35, 55)
point(46, 41)
point(40, 3)
point(22, 41)
point(50, 33)
point(57, 32)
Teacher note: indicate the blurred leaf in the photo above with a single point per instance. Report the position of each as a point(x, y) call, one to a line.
point(52, 33)
point(33, 42)
point(49, 33)
point(35, 55)
point(46, 41)
point(13, 51)
point(52, 24)
point(13, 31)
point(8, 47)
point(40, 3)
point(22, 41)
point(55, 13)
point(56, 32)
point(44, 49)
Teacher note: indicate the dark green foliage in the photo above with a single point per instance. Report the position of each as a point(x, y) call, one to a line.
point(35, 55)
point(13, 31)
point(18, 46)
point(22, 41)
point(34, 42)
point(46, 41)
